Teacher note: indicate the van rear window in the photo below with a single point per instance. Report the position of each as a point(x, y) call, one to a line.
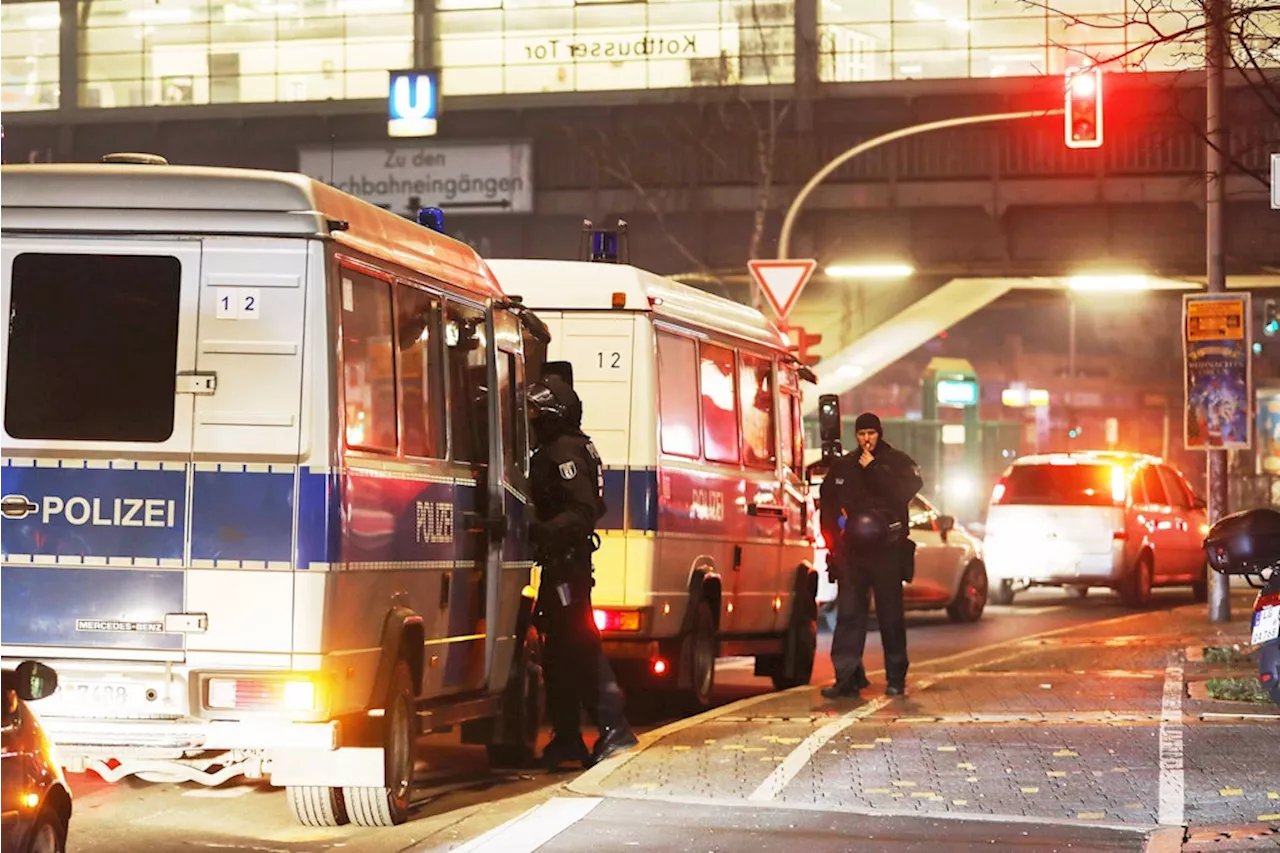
point(93, 347)
point(1058, 485)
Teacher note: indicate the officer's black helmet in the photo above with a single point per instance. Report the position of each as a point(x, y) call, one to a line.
point(553, 407)
point(868, 529)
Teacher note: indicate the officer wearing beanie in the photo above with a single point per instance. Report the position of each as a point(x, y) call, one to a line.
point(567, 485)
point(865, 498)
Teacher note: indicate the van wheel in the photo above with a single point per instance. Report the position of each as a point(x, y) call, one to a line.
point(316, 805)
point(521, 708)
point(972, 598)
point(698, 659)
point(388, 805)
point(800, 647)
point(1200, 588)
point(1001, 593)
point(1136, 591)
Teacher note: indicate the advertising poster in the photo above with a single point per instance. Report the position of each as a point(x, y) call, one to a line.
point(1218, 374)
point(1269, 432)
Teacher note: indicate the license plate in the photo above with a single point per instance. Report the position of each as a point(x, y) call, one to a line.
point(1266, 624)
point(88, 699)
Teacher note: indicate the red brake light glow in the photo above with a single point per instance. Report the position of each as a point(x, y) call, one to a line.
point(616, 620)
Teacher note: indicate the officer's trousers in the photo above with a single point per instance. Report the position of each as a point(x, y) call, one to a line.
point(853, 605)
point(576, 672)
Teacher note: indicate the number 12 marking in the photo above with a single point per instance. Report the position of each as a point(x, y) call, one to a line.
point(238, 303)
point(614, 359)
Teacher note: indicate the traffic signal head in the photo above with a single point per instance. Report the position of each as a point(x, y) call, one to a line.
point(1083, 117)
point(1270, 322)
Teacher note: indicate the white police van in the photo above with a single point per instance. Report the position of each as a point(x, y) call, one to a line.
point(694, 404)
point(264, 484)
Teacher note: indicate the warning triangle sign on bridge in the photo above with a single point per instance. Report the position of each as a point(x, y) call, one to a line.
point(782, 281)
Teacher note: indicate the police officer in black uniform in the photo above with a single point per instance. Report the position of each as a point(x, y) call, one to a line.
point(567, 483)
point(865, 498)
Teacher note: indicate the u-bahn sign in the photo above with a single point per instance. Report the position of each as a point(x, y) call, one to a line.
point(461, 178)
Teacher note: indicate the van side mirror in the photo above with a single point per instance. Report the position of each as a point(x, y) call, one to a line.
point(829, 426)
point(35, 680)
point(946, 523)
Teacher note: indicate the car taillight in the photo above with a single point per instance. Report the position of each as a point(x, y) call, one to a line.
point(260, 695)
point(997, 494)
point(616, 620)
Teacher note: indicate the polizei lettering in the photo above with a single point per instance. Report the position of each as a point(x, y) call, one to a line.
point(434, 523)
point(555, 49)
point(110, 512)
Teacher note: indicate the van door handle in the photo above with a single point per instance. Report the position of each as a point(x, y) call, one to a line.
point(494, 525)
point(766, 511)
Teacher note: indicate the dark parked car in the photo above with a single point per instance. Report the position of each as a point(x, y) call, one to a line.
point(37, 801)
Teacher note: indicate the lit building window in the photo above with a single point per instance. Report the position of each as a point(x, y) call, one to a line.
point(145, 53)
point(917, 39)
point(507, 46)
point(28, 56)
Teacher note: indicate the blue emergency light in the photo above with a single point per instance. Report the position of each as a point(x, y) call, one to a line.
point(604, 246)
point(431, 217)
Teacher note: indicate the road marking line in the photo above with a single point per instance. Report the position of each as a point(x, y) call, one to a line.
point(534, 828)
point(1172, 781)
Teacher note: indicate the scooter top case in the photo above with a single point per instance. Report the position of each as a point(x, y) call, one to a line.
point(1244, 543)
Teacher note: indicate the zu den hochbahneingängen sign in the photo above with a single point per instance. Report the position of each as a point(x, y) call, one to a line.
point(480, 178)
point(1217, 359)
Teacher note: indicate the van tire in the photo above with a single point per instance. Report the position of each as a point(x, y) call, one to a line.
point(522, 708)
point(698, 659)
point(1136, 590)
point(1000, 592)
point(317, 805)
point(800, 648)
point(388, 805)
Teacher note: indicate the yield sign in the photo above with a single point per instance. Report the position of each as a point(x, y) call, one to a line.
point(782, 281)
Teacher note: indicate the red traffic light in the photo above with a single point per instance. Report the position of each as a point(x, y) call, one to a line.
point(801, 342)
point(1082, 126)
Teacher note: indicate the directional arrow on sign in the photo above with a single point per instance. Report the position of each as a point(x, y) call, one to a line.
point(782, 281)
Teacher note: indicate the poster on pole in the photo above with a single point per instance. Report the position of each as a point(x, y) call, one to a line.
point(1218, 370)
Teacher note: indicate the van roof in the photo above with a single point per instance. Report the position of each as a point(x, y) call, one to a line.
point(91, 198)
point(585, 286)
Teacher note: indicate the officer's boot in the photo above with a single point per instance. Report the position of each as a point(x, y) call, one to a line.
point(566, 749)
point(613, 739)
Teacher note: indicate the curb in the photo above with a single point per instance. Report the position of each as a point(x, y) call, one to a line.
point(590, 783)
point(1166, 840)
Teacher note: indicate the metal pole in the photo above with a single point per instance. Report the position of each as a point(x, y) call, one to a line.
point(1215, 165)
point(1071, 344)
point(784, 239)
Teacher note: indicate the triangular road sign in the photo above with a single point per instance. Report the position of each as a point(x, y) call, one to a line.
point(782, 281)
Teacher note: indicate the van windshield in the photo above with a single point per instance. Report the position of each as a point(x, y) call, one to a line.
point(1061, 485)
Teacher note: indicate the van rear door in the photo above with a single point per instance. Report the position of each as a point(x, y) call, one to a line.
point(100, 360)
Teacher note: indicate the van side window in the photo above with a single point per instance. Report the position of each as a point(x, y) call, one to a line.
point(719, 404)
point(678, 394)
point(786, 426)
point(514, 417)
point(93, 347)
point(422, 406)
point(755, 382)
point(368, 364)
point(466, 342)
point(794, 448)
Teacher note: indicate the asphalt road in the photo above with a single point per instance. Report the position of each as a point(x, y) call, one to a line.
point(459, 797)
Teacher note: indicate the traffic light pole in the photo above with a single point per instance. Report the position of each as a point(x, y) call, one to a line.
point(1215, 166)
point(784, 239)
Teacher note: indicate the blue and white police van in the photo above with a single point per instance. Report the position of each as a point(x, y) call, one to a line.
point(264, 482)
point(694, 402)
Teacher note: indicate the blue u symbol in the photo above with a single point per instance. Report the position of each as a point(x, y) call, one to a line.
point(417, 103)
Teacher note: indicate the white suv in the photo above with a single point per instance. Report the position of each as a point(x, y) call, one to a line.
point(1076, 520)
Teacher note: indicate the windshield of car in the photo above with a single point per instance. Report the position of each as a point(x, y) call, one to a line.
point(1059, 485)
